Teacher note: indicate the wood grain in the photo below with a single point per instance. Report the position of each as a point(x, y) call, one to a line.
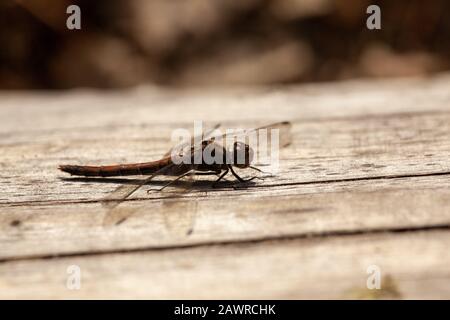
point(412, 265)
point(366, 178)
point(46, 230)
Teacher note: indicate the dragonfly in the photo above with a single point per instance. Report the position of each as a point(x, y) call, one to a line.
point(225, 147)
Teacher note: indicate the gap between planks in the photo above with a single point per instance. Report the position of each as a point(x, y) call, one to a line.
point(50, 230)
point(287, 238)
point(330, 268)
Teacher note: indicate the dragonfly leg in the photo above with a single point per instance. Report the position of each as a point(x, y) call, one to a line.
point(214, 185)
point(239, 178)
point(187, 173)
point(216, 173)
point(259, 170)
point(175, 180)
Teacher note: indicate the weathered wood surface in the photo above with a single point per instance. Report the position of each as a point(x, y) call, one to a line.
point(365, 181)
point(415, 265)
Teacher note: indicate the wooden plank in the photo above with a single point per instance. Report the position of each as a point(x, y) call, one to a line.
point(322, 150)
point(87, 108)
point(52, 229)
point(367, 157)
point(333, 267)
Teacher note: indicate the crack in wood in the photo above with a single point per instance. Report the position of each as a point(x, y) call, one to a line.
point(306, 236)
point(255, 186)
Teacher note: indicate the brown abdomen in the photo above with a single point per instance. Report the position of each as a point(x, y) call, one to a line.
point(116, 170)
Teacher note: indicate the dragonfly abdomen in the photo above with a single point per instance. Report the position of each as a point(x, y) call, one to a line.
point(116, 170)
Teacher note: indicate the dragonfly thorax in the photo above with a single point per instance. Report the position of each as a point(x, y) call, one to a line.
point(242, 155)
point(239, 154)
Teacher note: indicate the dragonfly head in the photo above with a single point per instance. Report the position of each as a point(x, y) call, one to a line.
point(243, 155)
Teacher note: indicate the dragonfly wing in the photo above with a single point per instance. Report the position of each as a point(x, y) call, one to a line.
point(114, 216)
point(283, 129)
point(186, 144)
point(184, 178)
point(265, 141)
point(180, 185)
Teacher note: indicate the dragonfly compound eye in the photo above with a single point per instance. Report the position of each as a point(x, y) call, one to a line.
point(243, 155)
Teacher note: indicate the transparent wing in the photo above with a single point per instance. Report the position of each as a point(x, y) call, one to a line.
point(280, 129)
point(115, 215)
point(187, 144)
point(265, 141)
point(280, 132)
point(112, 201)
point(126, 190)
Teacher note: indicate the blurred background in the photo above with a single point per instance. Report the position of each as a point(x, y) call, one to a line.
point(217, 42)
